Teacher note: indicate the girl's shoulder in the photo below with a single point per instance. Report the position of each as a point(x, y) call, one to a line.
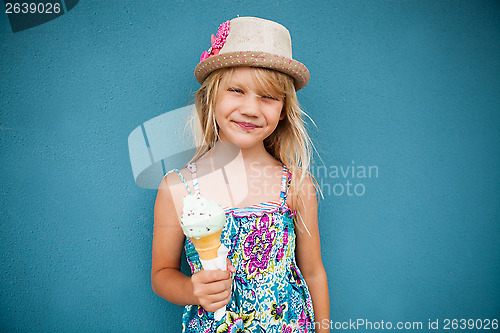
point(176, 177)
point(176, 183)
point(307, 192)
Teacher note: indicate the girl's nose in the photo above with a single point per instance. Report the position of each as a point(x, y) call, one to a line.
point(250, 105)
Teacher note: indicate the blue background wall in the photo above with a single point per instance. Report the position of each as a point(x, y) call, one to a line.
point(411, 87)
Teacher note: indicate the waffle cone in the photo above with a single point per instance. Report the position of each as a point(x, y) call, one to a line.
point(208, 245)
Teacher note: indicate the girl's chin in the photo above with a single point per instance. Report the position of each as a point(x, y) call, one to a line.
point(242, 139)
point(244, 143)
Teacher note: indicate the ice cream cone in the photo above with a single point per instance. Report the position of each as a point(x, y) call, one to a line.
point(208, 245)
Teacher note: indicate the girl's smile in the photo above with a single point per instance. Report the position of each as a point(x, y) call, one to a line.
point(247, 126)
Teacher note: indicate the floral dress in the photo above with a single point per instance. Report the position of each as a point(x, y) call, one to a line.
point(268, 292)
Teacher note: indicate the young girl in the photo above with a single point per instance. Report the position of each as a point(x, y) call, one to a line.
point(275, 280)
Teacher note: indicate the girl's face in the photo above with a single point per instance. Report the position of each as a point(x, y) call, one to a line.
point(246, 114)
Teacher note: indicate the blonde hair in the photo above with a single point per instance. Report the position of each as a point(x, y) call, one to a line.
point(290, 143)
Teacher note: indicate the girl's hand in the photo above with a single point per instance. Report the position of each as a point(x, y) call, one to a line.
point(213, 288)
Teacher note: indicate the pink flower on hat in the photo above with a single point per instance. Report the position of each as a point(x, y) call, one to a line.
point(217, 41)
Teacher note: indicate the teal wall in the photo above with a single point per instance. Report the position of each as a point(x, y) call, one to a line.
point(410, 88)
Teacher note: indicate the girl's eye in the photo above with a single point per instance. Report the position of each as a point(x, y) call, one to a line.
point(236, 90)
point(270, 98)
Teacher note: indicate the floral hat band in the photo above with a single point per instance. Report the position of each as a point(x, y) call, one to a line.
point(254, 42)
point(217, 41)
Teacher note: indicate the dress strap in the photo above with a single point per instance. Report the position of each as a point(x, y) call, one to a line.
point(181, 177)
point(286, 178)
point(192, 167)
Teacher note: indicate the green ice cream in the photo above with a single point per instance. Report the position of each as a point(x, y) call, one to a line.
point(201, 217)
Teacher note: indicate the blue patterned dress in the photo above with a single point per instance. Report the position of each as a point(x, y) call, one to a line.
point(268, 292)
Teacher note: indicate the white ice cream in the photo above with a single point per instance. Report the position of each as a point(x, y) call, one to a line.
point(201, 217)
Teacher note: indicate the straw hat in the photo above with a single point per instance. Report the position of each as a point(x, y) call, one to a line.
point(255, 42)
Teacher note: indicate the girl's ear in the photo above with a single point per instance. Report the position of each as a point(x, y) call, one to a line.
point(283, 114)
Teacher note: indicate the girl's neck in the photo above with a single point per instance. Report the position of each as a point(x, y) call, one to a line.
point(226, 151)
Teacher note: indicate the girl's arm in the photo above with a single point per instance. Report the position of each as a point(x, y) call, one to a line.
point(166, 279)
point(211, 289)
point(308, 256)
